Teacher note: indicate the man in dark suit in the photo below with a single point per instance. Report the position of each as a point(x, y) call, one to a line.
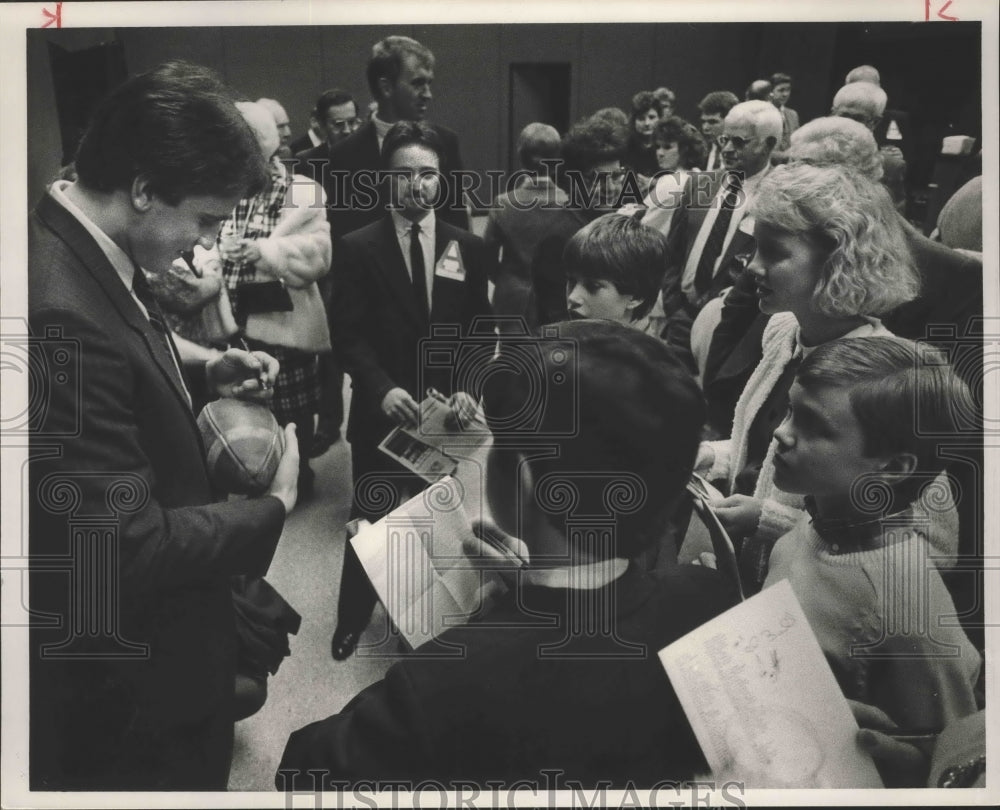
point(562, 673)
point(400, 73)
point(133, 675)
point(709, 232)
point(393, 281)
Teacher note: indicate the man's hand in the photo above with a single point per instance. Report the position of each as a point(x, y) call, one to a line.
point(738, 514)
point(285, 485)
point(491, 548)
point(901, 762)
point(399, 406)
point(249, 251)
point(463, 411)
point(243, 375)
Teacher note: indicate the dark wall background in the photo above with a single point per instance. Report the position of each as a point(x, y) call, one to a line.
point(931, 70)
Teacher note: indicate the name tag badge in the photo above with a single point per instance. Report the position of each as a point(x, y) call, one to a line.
point(450, 264)
point(746, 225)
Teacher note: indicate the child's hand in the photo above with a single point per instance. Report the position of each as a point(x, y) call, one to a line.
point(738, 514)
point(900, 762)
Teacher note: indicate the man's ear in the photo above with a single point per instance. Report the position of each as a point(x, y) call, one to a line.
point(632, 303)
point(141, 195)
point(900, 464)
point(384, 88)
point(771, 142)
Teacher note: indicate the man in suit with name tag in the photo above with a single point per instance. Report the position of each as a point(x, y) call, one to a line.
point(393, 281)
point(710, 232)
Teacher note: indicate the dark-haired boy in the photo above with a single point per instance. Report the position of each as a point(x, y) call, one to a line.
point(562, 675)
point(613, 270)
point(860, 441)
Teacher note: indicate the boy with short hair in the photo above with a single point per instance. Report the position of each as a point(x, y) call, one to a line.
point(860, 442)
point(613, 270)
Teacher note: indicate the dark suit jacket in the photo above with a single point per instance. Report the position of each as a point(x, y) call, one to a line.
point(354, 199)
point(526, 693)
point(377, 326)
point(125, 454)
point(699, 196)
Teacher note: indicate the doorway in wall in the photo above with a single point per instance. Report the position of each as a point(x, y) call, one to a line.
point(539, 91)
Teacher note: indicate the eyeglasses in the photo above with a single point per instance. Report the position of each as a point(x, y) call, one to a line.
point(735, 140)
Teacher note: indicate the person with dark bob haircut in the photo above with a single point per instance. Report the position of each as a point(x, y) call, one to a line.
point(613, 269)
point(579, 483)
point(165, 126)
point(640, 157)
point(146, 702)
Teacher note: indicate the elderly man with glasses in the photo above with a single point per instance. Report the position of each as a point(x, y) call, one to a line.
point(710, 231)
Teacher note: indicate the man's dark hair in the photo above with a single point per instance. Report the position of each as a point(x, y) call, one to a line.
point(591, 141)
point(386, 61)
point(332, 98)
point(622, 251)
point(718, 102)
point(780, 78)
point(404, 133)
point(643, 102)
point(634, 415)
point(178, 127)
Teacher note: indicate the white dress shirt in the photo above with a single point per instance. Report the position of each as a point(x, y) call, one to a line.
point(427, 237)
point(739, 219)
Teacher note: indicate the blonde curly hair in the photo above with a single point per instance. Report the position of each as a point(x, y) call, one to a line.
point(869, 269)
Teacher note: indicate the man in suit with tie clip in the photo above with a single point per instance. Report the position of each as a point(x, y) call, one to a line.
point(393, 281)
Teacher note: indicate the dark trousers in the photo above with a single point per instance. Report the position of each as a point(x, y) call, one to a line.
point(380, 485)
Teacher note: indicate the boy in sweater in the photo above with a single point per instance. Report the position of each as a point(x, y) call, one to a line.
point(860, 442)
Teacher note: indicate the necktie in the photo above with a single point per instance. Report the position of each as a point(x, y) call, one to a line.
point(142, 290)
point(419, 271)
point(144, 293)
point(717, 236)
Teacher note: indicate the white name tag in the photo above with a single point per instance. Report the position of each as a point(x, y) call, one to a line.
point(450, 265)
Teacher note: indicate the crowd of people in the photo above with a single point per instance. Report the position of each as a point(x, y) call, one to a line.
point(741, 298)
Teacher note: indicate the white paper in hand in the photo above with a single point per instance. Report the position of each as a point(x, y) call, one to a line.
point(415, 561)
point(762, 700)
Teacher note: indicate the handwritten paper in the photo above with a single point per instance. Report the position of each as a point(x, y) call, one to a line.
point(762, 700)
point(415, 561)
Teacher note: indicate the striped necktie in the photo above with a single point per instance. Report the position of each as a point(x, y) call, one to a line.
point(717, 236)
